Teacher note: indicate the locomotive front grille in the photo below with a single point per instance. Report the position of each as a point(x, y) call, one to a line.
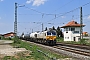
point(50, 37)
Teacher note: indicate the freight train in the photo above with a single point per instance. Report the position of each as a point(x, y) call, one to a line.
point(46, 37)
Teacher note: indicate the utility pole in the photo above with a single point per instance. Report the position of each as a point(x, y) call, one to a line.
point(42, 27)
point(32, 30)
point(81, 24)
point(15, 23)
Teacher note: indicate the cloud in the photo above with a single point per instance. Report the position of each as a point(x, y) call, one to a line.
point(29, 1)
point(1, 0)
point(36, 2)
point(88, 17)
point(62, 16)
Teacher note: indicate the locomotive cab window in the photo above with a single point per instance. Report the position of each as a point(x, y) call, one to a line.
point(53, 33)
point(48, 33)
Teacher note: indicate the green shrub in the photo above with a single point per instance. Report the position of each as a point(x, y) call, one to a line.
point(83, 41)
point(17, 40)
point(3, 38)
point(60, 39)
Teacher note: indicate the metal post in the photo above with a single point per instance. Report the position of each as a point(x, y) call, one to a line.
point(32, 30)
point(15, 23)
point(42, 27)
point(81, 24)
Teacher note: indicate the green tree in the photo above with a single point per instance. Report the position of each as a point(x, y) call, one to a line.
point(59, 32)
point(46, 29)
point(53, 28)
point(22, 34)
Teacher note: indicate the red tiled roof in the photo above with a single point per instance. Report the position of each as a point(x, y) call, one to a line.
point(72, 24)
point(85, 33)
point(9, 33)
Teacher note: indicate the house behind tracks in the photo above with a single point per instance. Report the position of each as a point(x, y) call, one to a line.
point(9, 35)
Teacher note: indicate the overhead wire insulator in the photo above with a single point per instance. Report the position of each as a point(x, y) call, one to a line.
point(55, 15)
point(42, 15)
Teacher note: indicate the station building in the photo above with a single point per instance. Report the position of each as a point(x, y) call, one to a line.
point(72, 31)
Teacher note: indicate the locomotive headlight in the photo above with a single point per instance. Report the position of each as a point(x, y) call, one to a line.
point(47, 37)
point(54, 37)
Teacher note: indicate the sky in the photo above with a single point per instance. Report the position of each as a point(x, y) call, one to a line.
point(31, 14)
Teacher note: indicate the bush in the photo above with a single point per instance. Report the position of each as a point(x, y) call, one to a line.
point(60, 39)
point(16, 40)
point(3, 38)
point(82, 41)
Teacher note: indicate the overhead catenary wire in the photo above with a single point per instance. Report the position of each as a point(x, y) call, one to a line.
point(49, 14)
point(51, 23)
point(55, 10)
point(63, 14)
point(40, 12)
point(69, 11)
point(59, 15)
point(63, 5)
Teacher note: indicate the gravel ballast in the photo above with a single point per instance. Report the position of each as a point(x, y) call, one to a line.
point(74, 55)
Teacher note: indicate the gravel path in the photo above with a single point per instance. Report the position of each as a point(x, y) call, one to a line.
point(8, 50)
point(6, 42)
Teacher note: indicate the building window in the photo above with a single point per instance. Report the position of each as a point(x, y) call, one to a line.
point(67, 37)
point(66, 29)
point(72, 29)
point(66, 32)
point(69, 29)
point(76, 31)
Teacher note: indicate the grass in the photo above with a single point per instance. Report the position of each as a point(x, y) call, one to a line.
point(60, 39)
point(83, 41)
point(34, 54)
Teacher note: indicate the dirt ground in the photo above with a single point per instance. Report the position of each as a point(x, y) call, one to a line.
point(8, 50)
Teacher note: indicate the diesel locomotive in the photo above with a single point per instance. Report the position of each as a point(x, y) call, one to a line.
point(46, 37)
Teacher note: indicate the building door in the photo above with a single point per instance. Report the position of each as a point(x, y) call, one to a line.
point(74, 38)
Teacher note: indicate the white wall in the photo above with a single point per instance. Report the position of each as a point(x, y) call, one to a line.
point(69, 35)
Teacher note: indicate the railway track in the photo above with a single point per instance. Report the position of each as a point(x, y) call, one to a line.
point(74, 50)
point(82, 54)
point(86, 47)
